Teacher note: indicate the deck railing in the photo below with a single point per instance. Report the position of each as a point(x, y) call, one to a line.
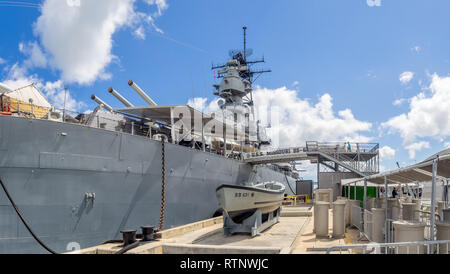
point(427, 247)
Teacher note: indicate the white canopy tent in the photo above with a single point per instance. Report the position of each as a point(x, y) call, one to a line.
point(29, 93)
point(436, 167)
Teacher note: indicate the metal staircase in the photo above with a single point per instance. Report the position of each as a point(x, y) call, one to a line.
point(349, 165)
point(359, 158)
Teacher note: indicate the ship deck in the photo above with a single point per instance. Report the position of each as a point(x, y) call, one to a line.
point(292, 235)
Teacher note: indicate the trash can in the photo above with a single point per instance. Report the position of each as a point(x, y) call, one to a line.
point(379, 203)
point(370, 203)
point(378, 224)
point(393, 206)
point(418, 203)
point(408, 212)
point(321, 220)
point(405, 231)
point(339, 219)
point(443, 234)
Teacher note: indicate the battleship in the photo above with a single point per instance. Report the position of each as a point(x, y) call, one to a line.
point(78, 180)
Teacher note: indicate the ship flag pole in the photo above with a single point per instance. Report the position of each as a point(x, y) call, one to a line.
point(245, 61)
point(245, 43)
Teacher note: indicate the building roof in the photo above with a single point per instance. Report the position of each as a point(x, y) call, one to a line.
point(26, 93)
point(420, 172)
point(4, 88)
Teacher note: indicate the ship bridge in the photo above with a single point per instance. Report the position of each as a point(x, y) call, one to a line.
point(335, 160)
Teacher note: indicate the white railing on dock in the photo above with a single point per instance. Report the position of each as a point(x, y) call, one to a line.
point(439, 247)
point(368, 224)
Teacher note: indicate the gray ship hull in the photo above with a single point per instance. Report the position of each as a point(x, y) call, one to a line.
point(48, 167)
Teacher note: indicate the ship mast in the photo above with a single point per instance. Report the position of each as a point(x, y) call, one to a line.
point(245, 42)
point(245, 71)
point(238, 77)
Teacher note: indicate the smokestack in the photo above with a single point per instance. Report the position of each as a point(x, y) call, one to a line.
point(120, 98)
point(100, 102)
point(142, 93)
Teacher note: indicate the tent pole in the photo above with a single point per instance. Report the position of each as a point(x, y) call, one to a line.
point(386, 224)
point(364, 205)
point(433, 198)
point(365, 194)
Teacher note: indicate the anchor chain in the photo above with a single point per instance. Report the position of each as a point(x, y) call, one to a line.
point(163, 184)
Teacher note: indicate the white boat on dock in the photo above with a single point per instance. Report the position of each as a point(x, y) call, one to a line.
point(241, 201)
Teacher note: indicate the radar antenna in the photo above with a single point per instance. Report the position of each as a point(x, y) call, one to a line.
point(241, 56)
point(243, 68)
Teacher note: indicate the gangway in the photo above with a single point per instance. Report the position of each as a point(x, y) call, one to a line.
point(363, 160)
point(335, 161)
point(278, 156)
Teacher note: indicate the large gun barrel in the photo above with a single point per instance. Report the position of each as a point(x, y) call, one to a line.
point(120, 98)
point(100, 102)
point(142, 93)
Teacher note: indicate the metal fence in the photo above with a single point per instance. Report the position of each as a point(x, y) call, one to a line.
point(424, 247)
point(368, 224)
point(342, 146)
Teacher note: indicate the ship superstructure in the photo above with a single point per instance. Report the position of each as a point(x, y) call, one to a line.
point(79, 179)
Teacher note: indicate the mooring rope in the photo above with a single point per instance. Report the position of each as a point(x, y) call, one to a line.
point(287, 181)
point(23, 219)
point(163, 184)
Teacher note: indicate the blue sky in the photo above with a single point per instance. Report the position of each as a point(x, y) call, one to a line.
point(350, 50)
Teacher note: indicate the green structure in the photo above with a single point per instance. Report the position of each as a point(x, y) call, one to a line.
point(371, 192)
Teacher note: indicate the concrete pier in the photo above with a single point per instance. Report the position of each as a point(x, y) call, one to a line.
point(292, 235)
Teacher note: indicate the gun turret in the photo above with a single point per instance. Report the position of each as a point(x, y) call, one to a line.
point(100, 102)
point(120, 98)
point(142, 93)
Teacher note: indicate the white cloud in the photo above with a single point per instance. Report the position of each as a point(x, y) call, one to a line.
point(416, 49)
point(79, 38)
point(387, 152)
point(198, 103)
point(18, 77)
point(160, 4)
point(447, 144)
point(406, 77)
point(2, 61)
point(293, 121)
point(308, 171)
point(202, 104)
point(301, 121)
point(428, 115)
point(54, 91)
point(57, 95)
point(295, 83)
point(139, 33)
point(371, 74)
point(373, 3)
point(36, 58)
point(399, 102)
point(414, 147)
